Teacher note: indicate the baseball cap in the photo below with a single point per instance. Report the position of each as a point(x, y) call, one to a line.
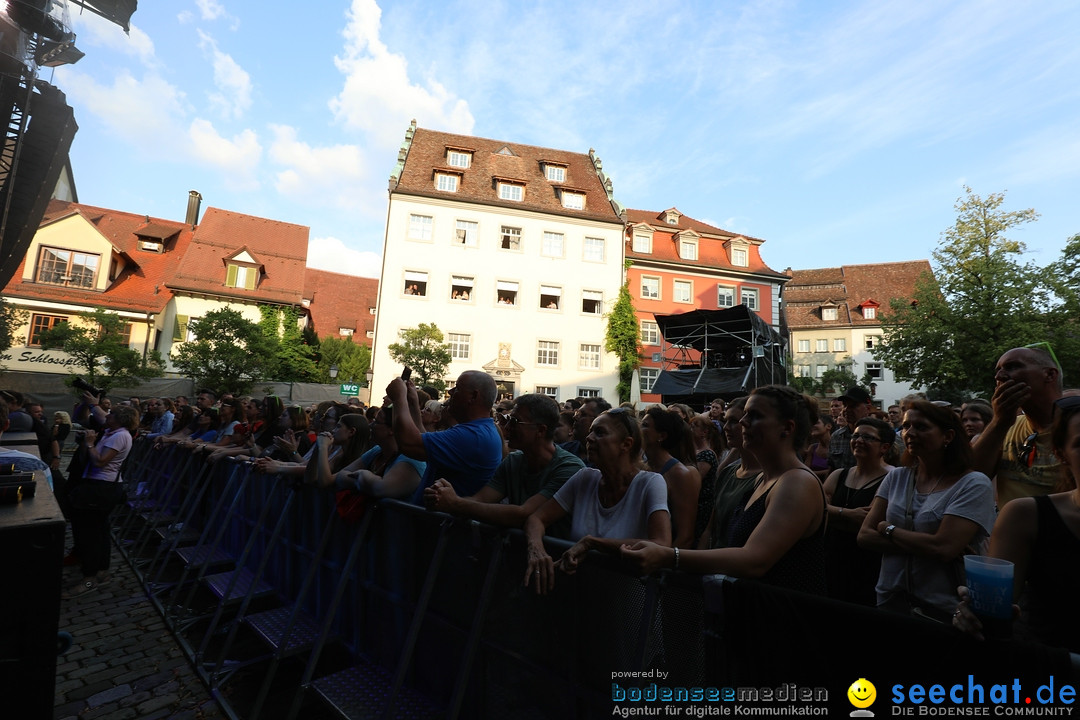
point(856, 395)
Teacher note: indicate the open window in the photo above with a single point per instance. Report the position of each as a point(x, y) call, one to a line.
point(461, 288)
point(415, 283)
point(506, 292)
point(592, 302)
point(550, 297)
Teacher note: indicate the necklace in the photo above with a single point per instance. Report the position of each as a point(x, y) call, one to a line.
point(933, 487)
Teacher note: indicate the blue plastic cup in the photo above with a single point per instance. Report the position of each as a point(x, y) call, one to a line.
point(990, 582)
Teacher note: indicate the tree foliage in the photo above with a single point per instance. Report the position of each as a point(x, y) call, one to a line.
point(422, 349)
point(229, 351)
point(11, 319)
point(352, 360)
point(292, 357)
point(100, 345)
point(623, 338)
point(984, 299)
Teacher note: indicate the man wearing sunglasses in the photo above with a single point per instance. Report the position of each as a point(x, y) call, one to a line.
point(1015, 449)
point(526, 478)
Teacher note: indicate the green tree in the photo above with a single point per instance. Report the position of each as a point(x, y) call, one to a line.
point(623, 338)
point(422, 349)
point(352, 360)
point(11, 319)
point(982, 300)
point(100, 346)
point(229, 351)
point(1063, 321)
point(291, 358)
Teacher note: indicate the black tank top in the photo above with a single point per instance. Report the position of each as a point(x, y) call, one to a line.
point(802, 567)
point(1053, 581)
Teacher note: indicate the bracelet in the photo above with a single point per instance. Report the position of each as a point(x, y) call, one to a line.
point(839, 512)
point(676, 566)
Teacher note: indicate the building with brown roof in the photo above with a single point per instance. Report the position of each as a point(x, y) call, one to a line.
point(158, 274)
point(833, 317)
point(341, 306)
point(513, 251)
point(682, 264)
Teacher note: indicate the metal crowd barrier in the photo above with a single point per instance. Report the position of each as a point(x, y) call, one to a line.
point(428, 615)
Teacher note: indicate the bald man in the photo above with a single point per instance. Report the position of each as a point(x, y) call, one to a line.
point(1015, 450)
point(465, 455)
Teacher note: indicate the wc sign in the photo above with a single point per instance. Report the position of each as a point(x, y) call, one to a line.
point(350, 389)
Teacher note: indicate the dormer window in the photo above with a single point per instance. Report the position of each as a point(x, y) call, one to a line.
point(511, 191)
point(447, 182)
point(242, 276)
point(555, 173)
point(242, 271)
point(869, 313)
point(68, 268)
point(671, 217)
point(573, 200)
point(150, 245)
point(688, 249)
point(345, 332)
point(642, 241)
point(458, 158)
point(828, 312)
point(739, 257)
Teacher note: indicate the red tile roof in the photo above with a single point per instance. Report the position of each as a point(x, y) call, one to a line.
point(493, 159)
point(139, 288)
point(711, 251)
point(281, 249)
point(341, 301)
point(849, 287)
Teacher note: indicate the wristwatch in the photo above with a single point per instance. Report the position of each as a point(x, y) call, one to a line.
point(889, 531)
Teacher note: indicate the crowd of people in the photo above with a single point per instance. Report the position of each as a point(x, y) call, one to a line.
point(866, 505)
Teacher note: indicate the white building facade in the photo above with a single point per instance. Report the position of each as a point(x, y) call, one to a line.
point(513, 252)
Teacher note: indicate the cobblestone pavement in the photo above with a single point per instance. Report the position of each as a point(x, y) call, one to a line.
point(123, 662)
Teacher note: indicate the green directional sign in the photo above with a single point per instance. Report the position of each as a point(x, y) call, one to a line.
point(350, 389)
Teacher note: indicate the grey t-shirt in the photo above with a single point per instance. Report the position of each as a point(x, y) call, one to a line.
point(932, 581)
point(628, 518)
point(514, 481)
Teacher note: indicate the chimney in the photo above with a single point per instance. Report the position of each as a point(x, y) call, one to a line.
point(194, 203)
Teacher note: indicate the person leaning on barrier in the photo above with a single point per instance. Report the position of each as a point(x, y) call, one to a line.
point(668, 447)
point(613, 503)
point(336, 450)
point(467, 454)
point(777, 535)
point(927, 515)
point(1041, 537)
point(527, 477)
point(382, 471)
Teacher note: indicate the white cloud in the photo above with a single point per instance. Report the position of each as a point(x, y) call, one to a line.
point(378, 98)
point(184, 17)
point(238, 158)
point(143, 111)
point(333, 175)
point(210, 9)
point(330, 253)
point(95, 31)
point(231, 80)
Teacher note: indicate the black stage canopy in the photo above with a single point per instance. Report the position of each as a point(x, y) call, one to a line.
point(721, 353)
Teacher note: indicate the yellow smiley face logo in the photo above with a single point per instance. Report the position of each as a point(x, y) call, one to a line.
point(862, 693)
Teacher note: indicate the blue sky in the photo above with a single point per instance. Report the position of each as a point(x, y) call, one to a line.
point(839, 132)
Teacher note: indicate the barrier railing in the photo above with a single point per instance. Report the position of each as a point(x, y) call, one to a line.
point(434, 608)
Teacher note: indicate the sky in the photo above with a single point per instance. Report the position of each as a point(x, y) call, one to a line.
point(838, 132)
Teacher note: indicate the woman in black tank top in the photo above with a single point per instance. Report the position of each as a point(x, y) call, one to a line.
point(777, 534)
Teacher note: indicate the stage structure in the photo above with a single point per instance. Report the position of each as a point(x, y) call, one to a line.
point(717, 353)
point(39, 125)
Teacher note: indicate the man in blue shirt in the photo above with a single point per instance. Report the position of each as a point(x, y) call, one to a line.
point(465, 455)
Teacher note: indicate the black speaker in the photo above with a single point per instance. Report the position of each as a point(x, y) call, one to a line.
point(31, 551)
